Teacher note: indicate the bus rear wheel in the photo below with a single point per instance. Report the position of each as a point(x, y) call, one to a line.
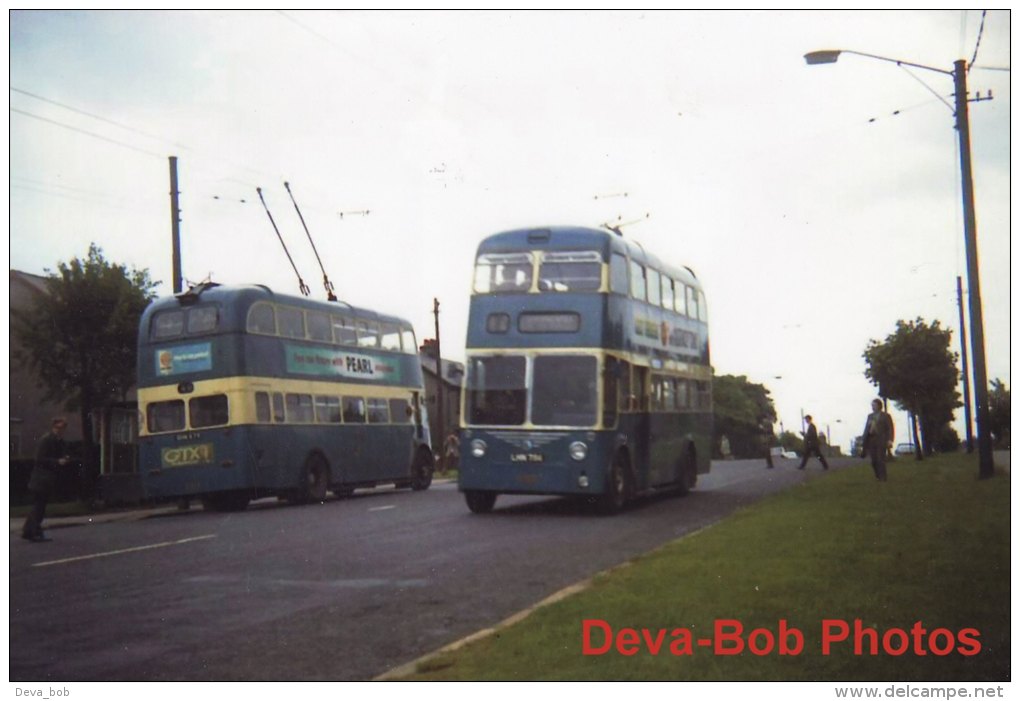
point(618, 488)
point(688, 472)
point(314, 480)
point(480, 502)
point(421, 471)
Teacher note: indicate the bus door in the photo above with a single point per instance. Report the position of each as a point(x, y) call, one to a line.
point(642, 430)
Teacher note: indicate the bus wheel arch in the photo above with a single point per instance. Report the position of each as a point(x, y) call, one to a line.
point(619, 483)
point(314, 478)
point(421, 469)
point(688, 469)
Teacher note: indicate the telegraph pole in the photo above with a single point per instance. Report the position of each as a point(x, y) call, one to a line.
point(977, 328)
point(440, 406)
point(175, 227)
point(966, 369)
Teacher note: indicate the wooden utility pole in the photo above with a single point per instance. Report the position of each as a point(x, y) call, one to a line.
point(175, 227)
point(439, 448)
point(966, 371)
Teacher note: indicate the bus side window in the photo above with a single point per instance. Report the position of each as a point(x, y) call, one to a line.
point(262, 319)
point(390, 337)
point(626, 403)
point(618, 282)
point(278, 413)
point(692, 303)
point(702, 308)
point(299, 408)
point(637, 281)
point(262, 412)
point(378, 411)
point(354, 410)
point(667, 292)
point(368, 334)
point(318, 327)
point(610, 402)
point(400, 411)
point(327, 410)
point(407, 341)
point(679, 299)
point(654, 288)
point(343, 332)
point(291, 322)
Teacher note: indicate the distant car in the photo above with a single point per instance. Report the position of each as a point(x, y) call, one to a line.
point(905, 449)
point(788, 454)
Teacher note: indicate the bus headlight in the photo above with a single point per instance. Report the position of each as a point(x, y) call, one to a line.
point(478, 448)
point(578, 450)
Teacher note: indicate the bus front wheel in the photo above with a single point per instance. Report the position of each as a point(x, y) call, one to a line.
point(618, 487)
point(480, 502)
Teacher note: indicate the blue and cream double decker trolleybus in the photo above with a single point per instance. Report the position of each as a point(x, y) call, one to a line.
point(245, 393)
point(587, 370)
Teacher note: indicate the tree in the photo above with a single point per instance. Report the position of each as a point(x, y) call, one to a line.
point(998, 413)
point(743, 412)
point(915, 367)
point(80, 338)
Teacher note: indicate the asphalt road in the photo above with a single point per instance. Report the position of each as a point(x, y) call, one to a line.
point(338, 591)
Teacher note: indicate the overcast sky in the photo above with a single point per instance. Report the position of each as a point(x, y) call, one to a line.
point(818, 204)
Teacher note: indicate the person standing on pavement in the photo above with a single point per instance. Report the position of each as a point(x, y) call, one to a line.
point(878, 435)
point(811, 445)
point(50, 456)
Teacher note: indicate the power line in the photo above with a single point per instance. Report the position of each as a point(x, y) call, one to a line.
point(87, 133)
point(981, 31)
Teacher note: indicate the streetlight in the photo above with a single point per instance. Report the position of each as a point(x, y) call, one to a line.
point(977, 333)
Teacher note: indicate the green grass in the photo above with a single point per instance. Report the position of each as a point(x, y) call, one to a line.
point(930, 545)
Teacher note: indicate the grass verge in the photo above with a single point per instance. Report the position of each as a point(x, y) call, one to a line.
point(929, 546)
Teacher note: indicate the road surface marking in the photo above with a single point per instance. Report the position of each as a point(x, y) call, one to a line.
point(383, 508)
point(121, 552)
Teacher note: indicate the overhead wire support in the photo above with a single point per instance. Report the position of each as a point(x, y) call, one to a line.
point(301, 283)
point(325, 278)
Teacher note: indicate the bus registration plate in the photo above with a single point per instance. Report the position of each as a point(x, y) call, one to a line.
point(527, 457)
point(187, 455)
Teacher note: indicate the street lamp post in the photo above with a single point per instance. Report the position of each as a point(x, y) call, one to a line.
point(977, 335)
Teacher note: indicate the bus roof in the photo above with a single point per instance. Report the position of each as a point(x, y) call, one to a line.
point(559, 238)
point(246, 295)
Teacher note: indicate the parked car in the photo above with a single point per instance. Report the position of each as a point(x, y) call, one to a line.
point(789, 454)
point(905, 449)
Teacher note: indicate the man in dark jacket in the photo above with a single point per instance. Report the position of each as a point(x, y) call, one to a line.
point(50, 456)
point(811, 445)
point(878, 435)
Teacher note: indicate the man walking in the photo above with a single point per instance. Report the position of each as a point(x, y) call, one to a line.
point(50, 455)
point(811, 444)
point(878, 435)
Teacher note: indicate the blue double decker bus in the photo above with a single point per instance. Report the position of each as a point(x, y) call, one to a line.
point(245, 393)
point(587, 370)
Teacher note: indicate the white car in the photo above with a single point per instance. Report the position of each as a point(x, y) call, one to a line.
point(789, 454)
point(905, 449)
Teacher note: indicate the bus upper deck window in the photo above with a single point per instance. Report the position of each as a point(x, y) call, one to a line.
point(654, 288)
point(407, 339)
point(570, 271)
point(390, 338)
point(692, 303)
point(618, 274)
point(319, 327)
point(637, 281)
point(503, 272)
point(291, 322)
point(343, 332)
point(262, 318)
point(368, 334)
point(168, 324)
point(202, 319)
